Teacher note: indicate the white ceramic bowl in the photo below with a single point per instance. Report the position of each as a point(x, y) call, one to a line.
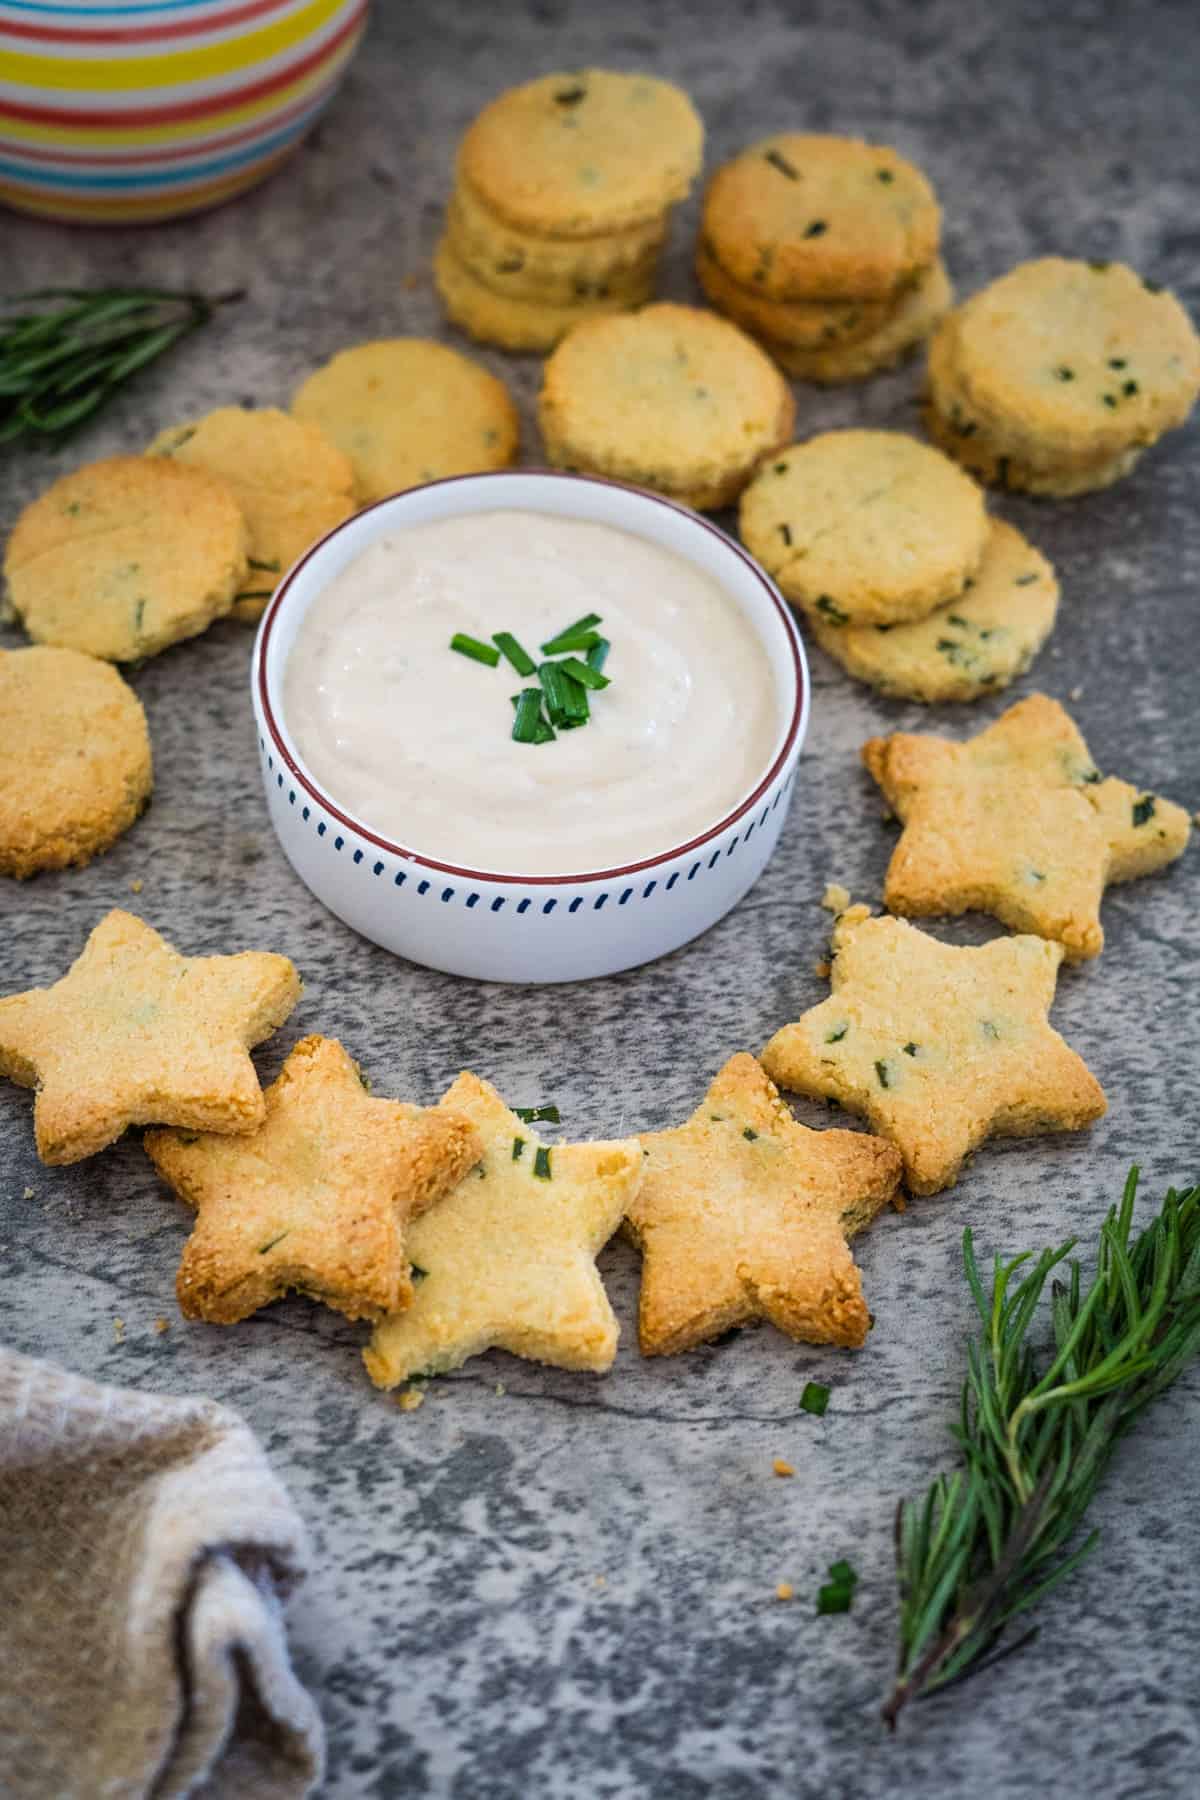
point(500, 925)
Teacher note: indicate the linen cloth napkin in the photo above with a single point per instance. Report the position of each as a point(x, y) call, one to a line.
point(145, 1552)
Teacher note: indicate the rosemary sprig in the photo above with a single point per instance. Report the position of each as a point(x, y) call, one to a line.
point(1036, 1432)
point(59, 363)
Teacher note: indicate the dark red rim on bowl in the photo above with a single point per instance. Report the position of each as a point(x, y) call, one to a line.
point(798, 718)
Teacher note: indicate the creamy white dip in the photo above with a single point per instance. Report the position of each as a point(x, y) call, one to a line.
point(416, 741)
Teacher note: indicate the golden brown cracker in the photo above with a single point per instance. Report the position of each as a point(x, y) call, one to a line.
point(1017, 822)
point(136, 1034)
point(937, 1047)
point(122, 558)
point(317, 1199)
point(509, 1255)
point(409, 410)
point(744, 1214)
point(75, 765)
point(291, 483)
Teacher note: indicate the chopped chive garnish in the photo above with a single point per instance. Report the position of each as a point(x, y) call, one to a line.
point(518, 1149)
point(583, 673)
point(570, 641)
point(469, 646)
point(597, 654)
point(566, 700)
point(541, 1163)
point(568, 631)
point(814, 1399)
point(537, 1115)
point(529, 727)
point(520, 658)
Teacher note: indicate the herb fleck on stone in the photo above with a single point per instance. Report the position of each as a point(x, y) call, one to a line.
point(814, 1399)
point(1143, 809)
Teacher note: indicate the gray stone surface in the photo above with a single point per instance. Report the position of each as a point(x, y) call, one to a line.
point(566, 1588)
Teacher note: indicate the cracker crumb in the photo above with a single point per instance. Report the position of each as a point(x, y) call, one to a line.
point(782, 1468)
point(136, 886)
point(599, 1580)
point(899, 1203)
point(785, 1591)
point(119, 1330)
point(500, 1390)
point(28, 1194)
point(161, 1325)
point(836, 898)
point(410, 1398)
point(822, 968)
point(1075, 694)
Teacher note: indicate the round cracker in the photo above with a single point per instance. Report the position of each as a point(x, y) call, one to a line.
point(291, 483)
point(584, 153)
point(514, 324)
point(801, 217)
point(1063, 362)
point(75, 766)
point(865, 527)
point(976, 644)
point(798, 324)
point(408, 410)
point(672, 397)
point(122, 558)
point(524, 267)
point(909, 324)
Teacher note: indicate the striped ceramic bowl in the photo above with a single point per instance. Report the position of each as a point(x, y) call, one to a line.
point(131, 110)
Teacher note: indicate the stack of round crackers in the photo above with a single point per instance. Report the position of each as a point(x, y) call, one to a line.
point(826, 248)
point(560, 209)
point(904, 578)
point(1056, 377)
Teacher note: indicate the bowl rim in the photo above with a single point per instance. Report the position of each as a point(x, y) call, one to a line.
point(793, 739)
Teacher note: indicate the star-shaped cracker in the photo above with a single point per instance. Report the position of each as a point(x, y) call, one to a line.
point(1017, 822)
point(136, 1034)
point(317, 1198)
point(938, 1047)
point(744, 1214)
point(508, 1258)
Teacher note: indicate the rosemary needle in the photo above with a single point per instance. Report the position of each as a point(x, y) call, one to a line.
point(1037, 1428)
point(60, 362)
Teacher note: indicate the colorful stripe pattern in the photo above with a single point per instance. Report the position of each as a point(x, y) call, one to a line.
point(135, 110)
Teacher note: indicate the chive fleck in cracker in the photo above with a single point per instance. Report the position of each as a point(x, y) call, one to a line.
point(508, 1256)
point(522, 323)
point(317, 1199)
point(973, 645)
point(1018, 822)
point(124, 557)
point(937, 1047)
point(408, 410)
point(744, 1214)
